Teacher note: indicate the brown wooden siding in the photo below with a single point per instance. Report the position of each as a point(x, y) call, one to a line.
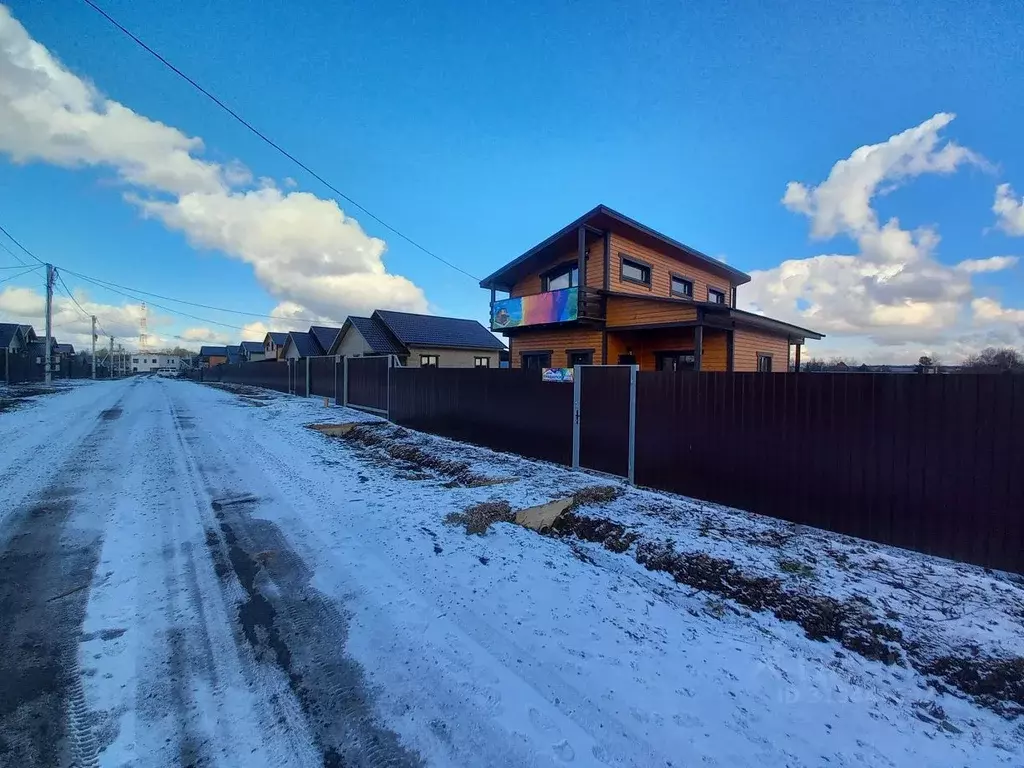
point(661, 267)
point(626, 311)
point(748, 343)
point(716, 351)
point(644, 346)
point(595, 270)
point(557, 340)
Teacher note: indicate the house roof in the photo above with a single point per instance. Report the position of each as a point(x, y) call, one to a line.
point(213, 351)
point(8, 331)
point(305, 343)
point(28, 332)
point(325, 336)
point(252, 346)
point(375, 333)
point(431, 331)
point(277, 337)
point(66, 349)
point(604, 219)
point(234, 353)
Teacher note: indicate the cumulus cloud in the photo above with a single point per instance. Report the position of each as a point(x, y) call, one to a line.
point(1009, 210)
point(303, 249)
point(892, 292)
point(988, 310)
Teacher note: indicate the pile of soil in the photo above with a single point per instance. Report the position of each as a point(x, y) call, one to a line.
point(478, 518)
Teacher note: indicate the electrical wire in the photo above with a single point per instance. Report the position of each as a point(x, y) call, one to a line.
point(14, 240)
point(270, 142)
point(20, 274)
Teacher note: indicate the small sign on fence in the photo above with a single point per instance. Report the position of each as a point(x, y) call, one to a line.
point(556, 374)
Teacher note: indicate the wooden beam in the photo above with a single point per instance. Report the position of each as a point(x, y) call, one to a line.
point(607, 258)
point(730, 351)
point(581, 254)
point(698, 346)
point(796, 363)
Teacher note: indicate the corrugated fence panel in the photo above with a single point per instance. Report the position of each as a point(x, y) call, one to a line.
point(604, 418)
point(321, 371)
point(270, 374)
point(930, 463)
point(506, 410)
point(368, 382)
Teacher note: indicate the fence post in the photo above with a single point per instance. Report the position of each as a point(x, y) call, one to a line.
point(391, 359)
point(344, 383)
point(309, 360)
point(632, 419)
point(576, 370)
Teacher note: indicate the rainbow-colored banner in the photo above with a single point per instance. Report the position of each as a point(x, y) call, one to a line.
point(538, 309)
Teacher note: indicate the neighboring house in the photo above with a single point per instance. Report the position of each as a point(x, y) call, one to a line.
point(420, 340)
point(37, 349)
point(251, 351)
point(273, 345)
point(302, 344)
point(29, 333)
point(66, 350)
point(211, 356)
point(12, 337)
point(148, 362)
point(234, 354)
point(608, 290)
point(325, 336)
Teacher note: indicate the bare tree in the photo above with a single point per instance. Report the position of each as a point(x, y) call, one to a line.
point(995, 360)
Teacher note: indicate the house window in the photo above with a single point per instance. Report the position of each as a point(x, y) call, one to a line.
point(580, 357)
point(716, 296)
point(764, 363)
point(565, 276)
point(429, 361)
point(481, 362)
point(684, 360)
point(534, 361)
point(682, 287)
point(135, 359)
point(634, 271)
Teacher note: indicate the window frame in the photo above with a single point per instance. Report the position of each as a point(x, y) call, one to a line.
point(428, 364)
point(718, 292)
point(536, 353)
point(674, 354)
point(566, 267)
point(589, 353)
point(478, 358)
point(764, 356)
point(633, 260)
point(672, 277)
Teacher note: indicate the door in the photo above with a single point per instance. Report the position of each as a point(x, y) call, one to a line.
point(604, 418)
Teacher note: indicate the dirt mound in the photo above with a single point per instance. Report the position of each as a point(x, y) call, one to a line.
point(478, 518)
point(997, 683)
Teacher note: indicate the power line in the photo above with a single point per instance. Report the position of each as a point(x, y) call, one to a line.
point(270, 142)
point(14, 240)
point(20, 274)
point(81, 310)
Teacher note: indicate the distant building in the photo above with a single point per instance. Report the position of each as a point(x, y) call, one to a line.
point(251, 351)
point(148, 362)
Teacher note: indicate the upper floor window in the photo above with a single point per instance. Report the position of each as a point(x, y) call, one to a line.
point(429, 361)
point(682, 287)
point(564, 276)
point(716, 296)
point(635, 271)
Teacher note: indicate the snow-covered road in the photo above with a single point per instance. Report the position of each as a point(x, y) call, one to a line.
point(188, 578)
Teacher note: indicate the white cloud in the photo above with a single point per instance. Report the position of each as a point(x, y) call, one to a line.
point(987, 310)
point(991, 264)
point(1009, 210)
point(303, 249)
point(892, 298)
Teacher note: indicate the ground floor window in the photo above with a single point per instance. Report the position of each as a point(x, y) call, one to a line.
point(764, 363)
point(580, 357)
point(429, 361)
point(481, 362)
point(536, 360)
point(682, 360)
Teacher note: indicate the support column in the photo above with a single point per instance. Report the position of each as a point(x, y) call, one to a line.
point(796, 362)
point(698, 346)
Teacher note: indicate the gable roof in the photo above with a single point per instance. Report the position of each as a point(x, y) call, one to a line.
point(8, 332)
point(66, 349)
point(276, 337)
point(213, 352)
point(305, 343)
point(374, 332)
point(604, 219)
point(28, 332)
point(325, 336)
point(252, 346)
point(234, 353)
point(431, 331)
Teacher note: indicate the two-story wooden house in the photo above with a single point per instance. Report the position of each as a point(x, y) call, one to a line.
point(607, 290)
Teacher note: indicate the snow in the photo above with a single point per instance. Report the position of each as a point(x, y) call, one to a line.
point(509, 648)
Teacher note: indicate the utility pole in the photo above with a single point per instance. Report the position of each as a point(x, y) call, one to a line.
point(111, 357)
point(49, 320)
point(94, 346)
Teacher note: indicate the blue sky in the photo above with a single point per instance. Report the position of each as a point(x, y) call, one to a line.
point(479, 131)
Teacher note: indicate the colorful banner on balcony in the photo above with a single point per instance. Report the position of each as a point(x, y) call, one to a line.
point(537, 309)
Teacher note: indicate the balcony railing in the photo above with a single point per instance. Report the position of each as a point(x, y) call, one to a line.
point(566, 305)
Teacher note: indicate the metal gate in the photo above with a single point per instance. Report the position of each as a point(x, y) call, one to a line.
point(604, 418)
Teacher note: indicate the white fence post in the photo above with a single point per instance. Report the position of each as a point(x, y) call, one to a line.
point(632, 419)
point(576, 370)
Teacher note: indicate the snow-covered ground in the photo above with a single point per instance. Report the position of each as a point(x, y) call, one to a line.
point(195, 578)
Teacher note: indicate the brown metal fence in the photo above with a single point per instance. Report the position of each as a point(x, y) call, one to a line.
point(271, 374)
point(930, 463)
point(604, 418)
point(368, 382)
point(507, 410)
point(321, 376)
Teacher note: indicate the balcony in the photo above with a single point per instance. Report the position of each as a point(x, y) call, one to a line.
point(568, 305)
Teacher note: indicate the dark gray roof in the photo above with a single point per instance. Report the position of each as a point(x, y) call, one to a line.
point(278, 338)
point(234, 353)
point(7, 332)
point(252, 346)
point(324, 335)
point(377, 335)
point(28, 332)
point(67, 349)
point(306, 344)
point(213, 351)
point(431, 331)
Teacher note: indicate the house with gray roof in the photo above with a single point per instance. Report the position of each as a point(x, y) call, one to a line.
point(273, 345)
point(12, 337)
point(420, 340)
point(251, 351)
